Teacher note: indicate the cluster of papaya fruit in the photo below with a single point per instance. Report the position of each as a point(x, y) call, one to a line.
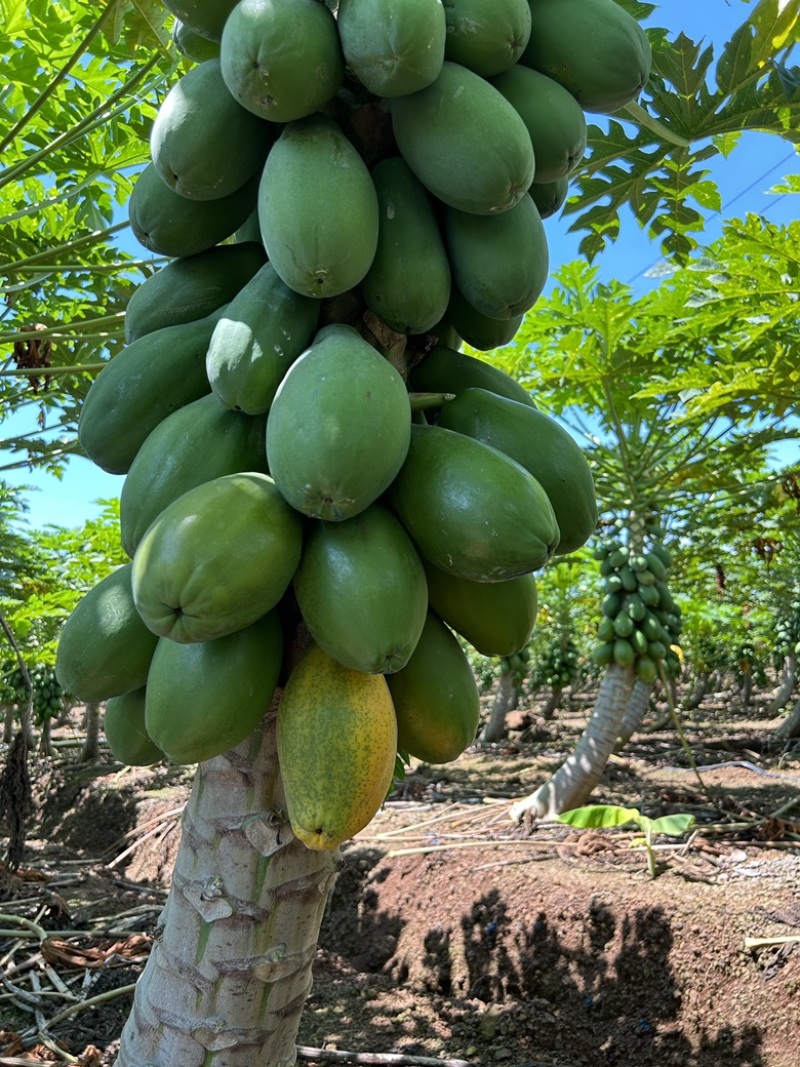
point(560, 664)
point(48, 696)
point(301, 437)
point(642, 623)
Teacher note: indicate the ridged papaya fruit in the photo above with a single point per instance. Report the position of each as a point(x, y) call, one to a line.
point(195, 444)
point(204, 698)
point(264, 329)
point(192, 45)
point(104, 649)
point(435, 697)
point(552, 117)
point(204, 144)
point(444, 370)
point(497, 618)
point(408, 284)
point(542, 447)
point(126, 733)
point(393, 49)
point(500, 263)
point(470, 510)
point(205, 17)
point(480, 331)
point(337, 740)
point(191, 288)
point(150, 378)
point(320, 245)
point(361, 588)
point(594, 48)
point(435, 132)
point(487, 38)
point(216, 559)
point(281, 59)
point(338, 429)
point(171, 225)
point(549, 197)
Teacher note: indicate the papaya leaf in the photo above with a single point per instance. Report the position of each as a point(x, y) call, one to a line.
point(595, 816)
point(672, 825)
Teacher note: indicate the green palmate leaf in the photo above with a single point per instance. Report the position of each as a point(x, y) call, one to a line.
point(596, 816)
point(672, 825)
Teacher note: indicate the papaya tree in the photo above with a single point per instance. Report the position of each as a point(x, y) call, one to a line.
point(230, 969)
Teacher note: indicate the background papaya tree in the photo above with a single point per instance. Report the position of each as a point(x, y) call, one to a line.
point(590, 353)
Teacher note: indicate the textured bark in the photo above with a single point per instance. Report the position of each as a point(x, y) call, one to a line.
point(230, 969)
point(573, 782)
point(504, 701)
point(701, 689)
point(790, 727)
point(553, 703)
point(638, 703)
point(788, 682)
point(91, 725)
point(9, 711)
point(747, 690)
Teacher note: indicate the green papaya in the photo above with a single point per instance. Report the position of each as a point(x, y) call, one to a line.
point(191, 287)
point(195, 444)
point(470, 510)
point(393, 49)
point(361, 588)
point(150, 378)
point(496, 618)
point(204, 17)
point(549, 197)
point(594, 48)
point(435, 697)
point(126, 733)
point(480, 331)
point(408, 283)
point(338, 429)
point(435, 130)
point(337, 740)
point(486, 37)
point(281, 59)
point(203, 143)
point(216, 559)
point(318, 209)
point(552, 117)
point(170, 225)
point(205, 698)
point(104, 649)
point(191, 45)
point(500, 263)
point(444, 370)
point(542, 447)
point(264, 329)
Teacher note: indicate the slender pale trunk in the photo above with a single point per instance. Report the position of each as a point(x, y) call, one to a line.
point(504, 701)
point(575, 779)
point(638, 703)
point(91, 726)
point(790, 727)
point(553, 703)
point(787, 684)
point(230, 969)
point(46, 738)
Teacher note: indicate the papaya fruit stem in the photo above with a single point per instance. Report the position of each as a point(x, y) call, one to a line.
point(636, 113)
point(429, 401)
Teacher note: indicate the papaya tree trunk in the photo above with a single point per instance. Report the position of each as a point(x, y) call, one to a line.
point(575, 779)
point(9, 711)
point(504, 701)
point(746, 690)
point(701, 689)
point(638, 703)
point(230, 969)
point(46, 738)
point(91, 726)
point(787, 683)
point(553, 703)
point(790, 727)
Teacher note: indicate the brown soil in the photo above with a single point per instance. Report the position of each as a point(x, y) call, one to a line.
point(454, 934)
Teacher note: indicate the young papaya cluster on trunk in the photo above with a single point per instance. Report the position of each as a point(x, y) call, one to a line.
point(642, 623)
point(346, 192)
point(48, 696)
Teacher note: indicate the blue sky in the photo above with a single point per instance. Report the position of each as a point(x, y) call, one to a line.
point(744, 180)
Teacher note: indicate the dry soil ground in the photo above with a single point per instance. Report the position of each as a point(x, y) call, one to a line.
point(453, 933)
